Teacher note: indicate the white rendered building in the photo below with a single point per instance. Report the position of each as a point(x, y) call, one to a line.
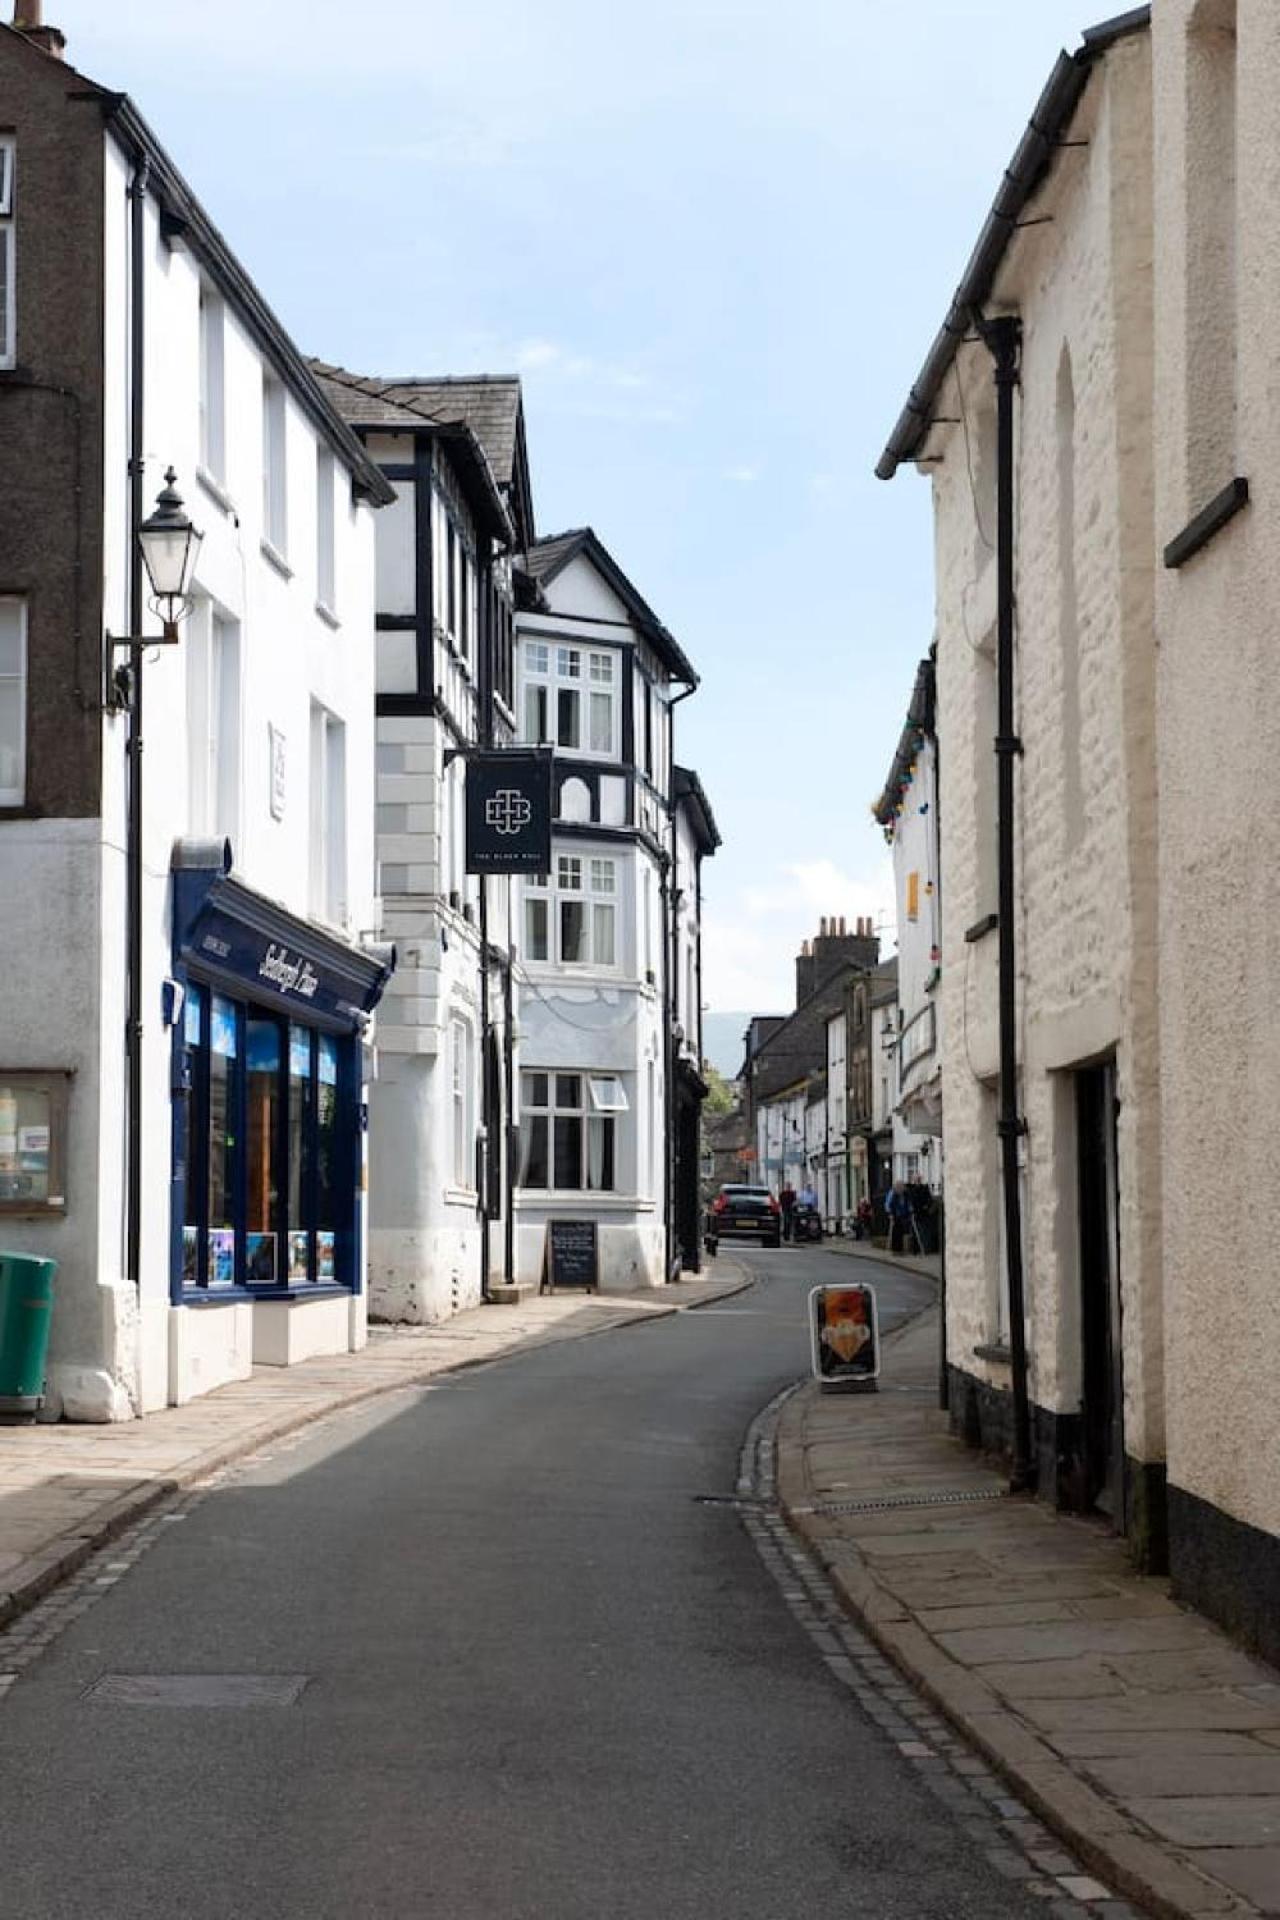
point(185, 1017)
point(441, 1168)
point(597, 677)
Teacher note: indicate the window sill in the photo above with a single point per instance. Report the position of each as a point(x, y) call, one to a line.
point(273, 554)
point(17, 810)
point(981, 928)
point(461, 1196)
point(216, 492)
point(996, 1351)
point(237, 1296)
point(328, 615)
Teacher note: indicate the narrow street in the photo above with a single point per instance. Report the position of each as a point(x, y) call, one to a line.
point(526, 1671)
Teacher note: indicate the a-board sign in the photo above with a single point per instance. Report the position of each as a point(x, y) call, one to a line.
point(844, 1330)
point(509, 812)
point(571, 1256)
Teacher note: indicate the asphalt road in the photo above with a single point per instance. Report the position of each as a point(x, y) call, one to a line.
point(543, 1680)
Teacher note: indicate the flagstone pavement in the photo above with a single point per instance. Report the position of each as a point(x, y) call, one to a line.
point(1137, 1730)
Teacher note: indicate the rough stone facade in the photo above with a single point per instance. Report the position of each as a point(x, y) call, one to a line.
point(1086, 805)
point(1217, 276)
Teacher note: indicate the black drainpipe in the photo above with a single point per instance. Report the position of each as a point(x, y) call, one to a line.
point(137, 370)
point(1003, 339)
point(671, 907)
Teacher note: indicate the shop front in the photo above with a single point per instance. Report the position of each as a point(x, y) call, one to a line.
point(268, 1019)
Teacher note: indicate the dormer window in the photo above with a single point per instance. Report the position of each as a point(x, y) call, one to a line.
point(8, 287)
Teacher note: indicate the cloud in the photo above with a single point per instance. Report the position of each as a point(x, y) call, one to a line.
point(744, 474)
point(750, 942)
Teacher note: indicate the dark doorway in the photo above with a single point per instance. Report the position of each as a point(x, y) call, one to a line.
point(1102, 1396)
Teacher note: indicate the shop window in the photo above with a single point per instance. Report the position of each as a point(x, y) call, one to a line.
point(567, 1143)
point(264, 1125)
point(33, 1122)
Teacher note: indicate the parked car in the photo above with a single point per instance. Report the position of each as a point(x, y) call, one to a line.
point(742, 1213)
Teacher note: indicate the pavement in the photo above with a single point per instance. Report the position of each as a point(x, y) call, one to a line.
point(1140, 1734)
point(66, 1489)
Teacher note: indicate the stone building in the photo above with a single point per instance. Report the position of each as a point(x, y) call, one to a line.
point(1217, 718)
point(1134, 239)
point(1067, 250)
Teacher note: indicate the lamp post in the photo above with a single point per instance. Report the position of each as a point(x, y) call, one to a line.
point(168, 544)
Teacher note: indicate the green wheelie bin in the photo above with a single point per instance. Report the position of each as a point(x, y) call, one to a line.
point(26, 1309)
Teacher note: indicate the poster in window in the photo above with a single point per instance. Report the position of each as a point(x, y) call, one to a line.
point(260, 1258)
point(299, 1258)
point(191, 1256)
point(222, 1257)
point(324, 1256)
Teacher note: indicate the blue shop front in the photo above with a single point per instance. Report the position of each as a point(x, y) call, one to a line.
point(268, 1020)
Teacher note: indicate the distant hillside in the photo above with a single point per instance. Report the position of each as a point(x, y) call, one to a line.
point(722, 1040)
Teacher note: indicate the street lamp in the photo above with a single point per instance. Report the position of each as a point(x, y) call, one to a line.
point(169, 545)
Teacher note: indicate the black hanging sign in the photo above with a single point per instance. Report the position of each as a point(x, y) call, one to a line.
point(508, 812)
point(571, 1256)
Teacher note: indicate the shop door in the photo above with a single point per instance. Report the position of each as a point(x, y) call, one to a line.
point(1102, 1397)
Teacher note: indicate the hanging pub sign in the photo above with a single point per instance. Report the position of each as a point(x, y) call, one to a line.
point(508, 812)
point(844, 1330)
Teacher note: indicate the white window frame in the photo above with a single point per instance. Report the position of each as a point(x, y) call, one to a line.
point(13, 685)
point(599, 1134)
point(8, 252)
point(213, 390)
point(326, 531)
point(328, 852)
point(213, 664)
point(590, 880)
point(275, 466)
point(556, 672)
point(461, 1086)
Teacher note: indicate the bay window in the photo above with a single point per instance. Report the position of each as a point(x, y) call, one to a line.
point(568, 1122)
point(570, 698)
point(571, 917)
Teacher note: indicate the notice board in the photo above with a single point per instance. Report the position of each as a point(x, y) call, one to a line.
point(844, 1330)
point(571, 1255)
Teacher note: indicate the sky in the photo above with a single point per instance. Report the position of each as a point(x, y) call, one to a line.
point(715, 238)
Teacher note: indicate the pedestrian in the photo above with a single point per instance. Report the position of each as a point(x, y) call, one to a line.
point(787, 1201)
point(897, 1212)
point(808, 1196)
point(863, 1220)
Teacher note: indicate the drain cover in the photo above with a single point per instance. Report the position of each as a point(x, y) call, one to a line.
point(197, 1689)
point(889, 1501)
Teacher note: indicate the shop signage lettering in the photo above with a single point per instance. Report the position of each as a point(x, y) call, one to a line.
point(291, 976)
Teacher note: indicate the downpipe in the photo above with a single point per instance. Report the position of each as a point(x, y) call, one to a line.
point(1003, 340)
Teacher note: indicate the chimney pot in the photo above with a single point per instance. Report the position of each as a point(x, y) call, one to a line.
point(28, 19)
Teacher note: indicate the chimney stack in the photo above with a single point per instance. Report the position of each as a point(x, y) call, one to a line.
point(834, 949)
point(28, 20)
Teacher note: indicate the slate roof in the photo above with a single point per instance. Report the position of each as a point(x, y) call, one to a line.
point(547, 557)
point(367, 402)
point(183, 217)
point(798, 1048)
point(489, 403)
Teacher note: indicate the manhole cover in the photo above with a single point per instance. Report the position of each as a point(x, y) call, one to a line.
point(197, 1689)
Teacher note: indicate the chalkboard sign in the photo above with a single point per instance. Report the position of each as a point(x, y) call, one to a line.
point(845, 1332)
point(571, 1256)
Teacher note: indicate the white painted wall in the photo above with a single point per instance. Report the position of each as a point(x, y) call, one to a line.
point(117, 1350)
